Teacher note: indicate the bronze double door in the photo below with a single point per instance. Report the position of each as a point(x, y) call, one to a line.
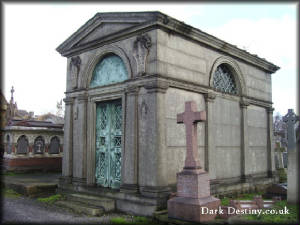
point(108, 143)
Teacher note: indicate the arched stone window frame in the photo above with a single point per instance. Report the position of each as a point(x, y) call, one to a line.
point(235, 71)
point(8, 141)
point(43, 139)
point(19, 138)
point(101, 54)
point(50, 141)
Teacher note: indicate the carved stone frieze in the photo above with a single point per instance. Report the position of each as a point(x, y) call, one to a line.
point(141, 47)
point(74, 70)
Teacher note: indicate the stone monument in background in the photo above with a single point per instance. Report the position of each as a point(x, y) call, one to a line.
point(293, 155)
point(193, 187)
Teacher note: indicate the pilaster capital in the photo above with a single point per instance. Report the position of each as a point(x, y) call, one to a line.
point(210, 96)
point(157, 86)
point(244, 103)
point(270, 110)
point(132, 90)
point(68, 100)
point(82, 98)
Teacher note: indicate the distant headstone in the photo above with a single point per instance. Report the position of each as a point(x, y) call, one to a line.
point(193, 187)
point(285, 159)
point(290, 119)
point(278, 156)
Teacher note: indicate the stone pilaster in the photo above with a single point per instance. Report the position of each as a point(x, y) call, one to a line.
point(152, 154)
point(67, 164)
point(130, 151)
point(245, 157)
point(270, 150)
point(91, 136)
point(79, 149)
point(210, 148)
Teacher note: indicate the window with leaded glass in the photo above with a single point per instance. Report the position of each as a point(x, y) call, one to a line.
point(223, 80)
point(111, 69)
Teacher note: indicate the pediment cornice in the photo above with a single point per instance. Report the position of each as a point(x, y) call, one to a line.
point(127, 24)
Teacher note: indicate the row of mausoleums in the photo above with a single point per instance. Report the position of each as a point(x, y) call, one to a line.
point(33, 145)
point(128, 76)
point(29, 143)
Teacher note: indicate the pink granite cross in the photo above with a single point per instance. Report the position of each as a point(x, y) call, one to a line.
point(190, 118)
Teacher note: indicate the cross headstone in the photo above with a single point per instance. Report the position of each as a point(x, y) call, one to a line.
point(193, 185)
point(190, 118)
point(293, 153)
point(290, 119)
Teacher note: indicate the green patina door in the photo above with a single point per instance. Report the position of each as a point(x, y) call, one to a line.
point(108, 143)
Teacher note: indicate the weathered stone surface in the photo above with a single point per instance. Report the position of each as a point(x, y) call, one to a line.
point(293, 155)
point(168, 63)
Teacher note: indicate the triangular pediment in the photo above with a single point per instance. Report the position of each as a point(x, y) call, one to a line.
point(103, 26)
point(106, 28)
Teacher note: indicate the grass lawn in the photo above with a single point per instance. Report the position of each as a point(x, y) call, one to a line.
point(277, 214)
point(138, 220)
point(291, 216)
point(10, 193)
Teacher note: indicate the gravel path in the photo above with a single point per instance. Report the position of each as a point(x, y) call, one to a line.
point(26, 210)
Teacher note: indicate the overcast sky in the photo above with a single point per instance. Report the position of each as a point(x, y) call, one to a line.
point(33, 31)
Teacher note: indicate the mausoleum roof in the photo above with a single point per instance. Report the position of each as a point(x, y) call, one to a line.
point(105, 28)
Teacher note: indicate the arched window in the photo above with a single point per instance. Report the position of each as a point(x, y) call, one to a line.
point(224, 80)
point(22, 145)
point(54, 145)
point(111, 69)
point(39, 145)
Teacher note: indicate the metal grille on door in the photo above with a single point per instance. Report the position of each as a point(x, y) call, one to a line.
point(108, 143)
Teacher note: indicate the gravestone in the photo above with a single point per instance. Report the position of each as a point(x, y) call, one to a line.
point(193, 186)
point(285, 159)
point(22, 145)
point(290, 119)
point(278, 156)
point(54, 146)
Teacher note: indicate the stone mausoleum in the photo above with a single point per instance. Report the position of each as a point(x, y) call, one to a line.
point(129, 74)
point(30, 143)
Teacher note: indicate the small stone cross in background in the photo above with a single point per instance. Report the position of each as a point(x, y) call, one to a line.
point(290, 119)
point(190, 118)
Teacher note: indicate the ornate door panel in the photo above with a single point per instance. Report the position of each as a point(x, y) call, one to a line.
point(108, 143)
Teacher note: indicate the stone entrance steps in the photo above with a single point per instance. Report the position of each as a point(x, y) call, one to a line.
point(87, 204)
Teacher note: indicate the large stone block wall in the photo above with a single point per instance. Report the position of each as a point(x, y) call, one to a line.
point(175, 133)
point(227, 121)
point(257, 129)
point(182, 59)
